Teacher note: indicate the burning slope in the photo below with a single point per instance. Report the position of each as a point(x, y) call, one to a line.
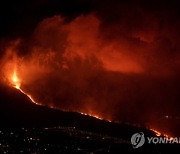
point(16, 84)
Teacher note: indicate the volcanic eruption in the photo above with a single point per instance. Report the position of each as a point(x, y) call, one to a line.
point(118, 64)
point(15, 80)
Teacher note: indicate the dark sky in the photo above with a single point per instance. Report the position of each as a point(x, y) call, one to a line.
point(20, 17)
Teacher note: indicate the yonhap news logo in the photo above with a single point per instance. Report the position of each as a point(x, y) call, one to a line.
point(139, 139)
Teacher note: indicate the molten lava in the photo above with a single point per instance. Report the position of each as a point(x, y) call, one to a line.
point(156, 132)
point(15, 80)
point(95, 116)
point(16, 84)
point(161, 134)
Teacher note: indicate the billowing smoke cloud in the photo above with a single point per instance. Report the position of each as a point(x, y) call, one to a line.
point(122, 64)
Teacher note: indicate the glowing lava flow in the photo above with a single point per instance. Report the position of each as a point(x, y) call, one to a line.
point(97, 117)
point(16, 84)
point(161, 134)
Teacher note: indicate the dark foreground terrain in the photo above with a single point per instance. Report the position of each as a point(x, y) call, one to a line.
point(70, 140)
point(29, 128)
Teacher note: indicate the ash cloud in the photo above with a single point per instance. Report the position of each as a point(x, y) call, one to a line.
point(120, 61)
